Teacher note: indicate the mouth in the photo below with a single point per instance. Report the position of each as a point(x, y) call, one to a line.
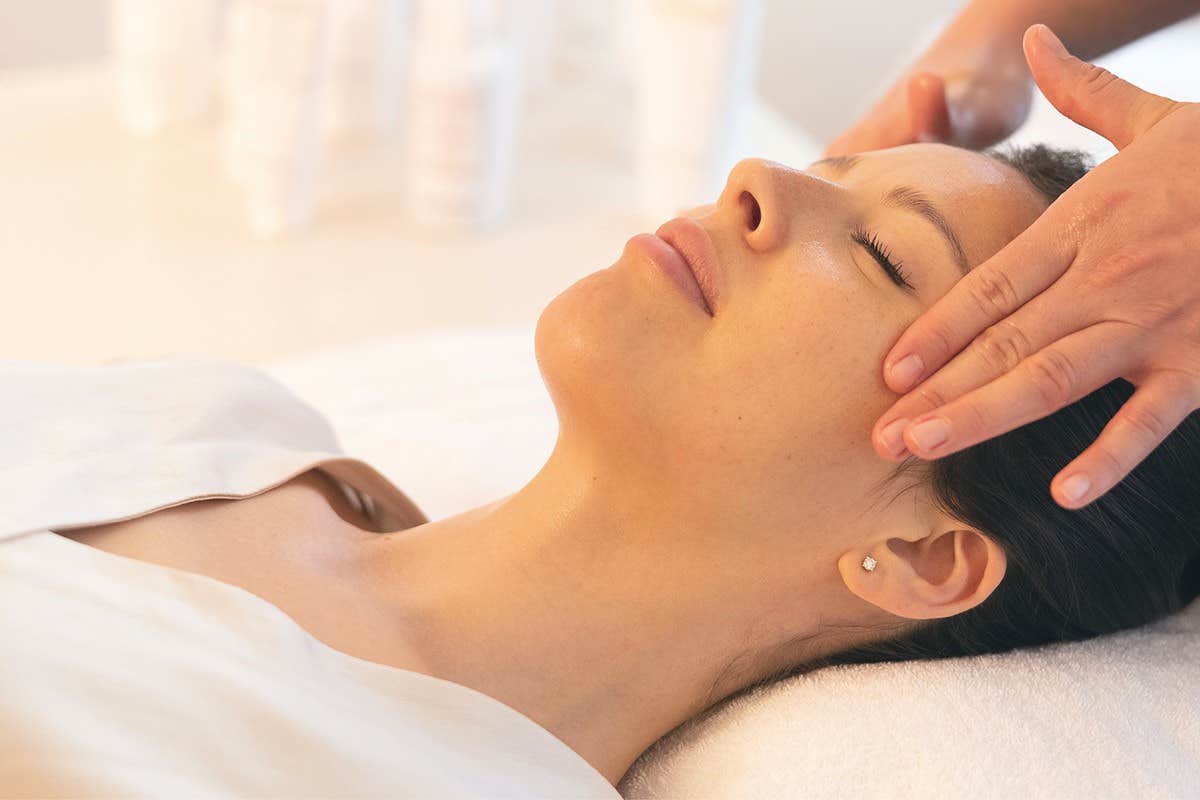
point(689, 238)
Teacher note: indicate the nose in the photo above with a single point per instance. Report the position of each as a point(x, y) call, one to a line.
point(751, 198)
point(767, 200)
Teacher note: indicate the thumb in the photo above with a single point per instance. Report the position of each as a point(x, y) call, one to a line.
point(1090, 95)
point(928, 116)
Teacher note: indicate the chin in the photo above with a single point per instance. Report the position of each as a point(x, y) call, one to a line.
point(613, 359)
point(578, 342)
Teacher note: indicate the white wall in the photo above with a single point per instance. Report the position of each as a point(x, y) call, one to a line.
point(824, 62)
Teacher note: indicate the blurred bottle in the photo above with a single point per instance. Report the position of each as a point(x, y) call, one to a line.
point(461, 116)
point(532, 29)
point(587, 49)
point(365, 67)
point(697, 61)
point(164, 61)
point(274, 73)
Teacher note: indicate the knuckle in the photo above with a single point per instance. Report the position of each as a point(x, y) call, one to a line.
point(1107, 273)
point(978, 422)
point(1122, 264)
point(1054, 377)
point(1003, 346)
point(931, 397)
point(1095, 81)
point(1155, 311)
point(994, 293)
point(1089, 84)
point(1110, 465)
point(938, 341)
point(1146, 424)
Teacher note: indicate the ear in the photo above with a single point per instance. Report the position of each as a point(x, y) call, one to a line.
point(926, 577)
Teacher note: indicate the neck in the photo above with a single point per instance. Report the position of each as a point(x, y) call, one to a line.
point(605, 612)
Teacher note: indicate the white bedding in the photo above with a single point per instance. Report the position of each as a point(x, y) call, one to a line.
point(469, 401)
point(461, 418)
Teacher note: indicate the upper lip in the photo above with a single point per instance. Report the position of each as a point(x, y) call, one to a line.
point(695, 245)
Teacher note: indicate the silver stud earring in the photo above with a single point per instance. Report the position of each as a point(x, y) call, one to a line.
point(869, 563)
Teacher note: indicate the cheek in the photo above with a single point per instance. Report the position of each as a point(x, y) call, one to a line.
point(803, 367)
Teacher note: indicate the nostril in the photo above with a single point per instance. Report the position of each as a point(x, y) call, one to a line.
point(751, 208)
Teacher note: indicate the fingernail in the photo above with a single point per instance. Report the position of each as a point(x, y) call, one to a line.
point(892, 437)
point(1076, 486)
point(1052, 42)
point(906, 371)
point(931, 433)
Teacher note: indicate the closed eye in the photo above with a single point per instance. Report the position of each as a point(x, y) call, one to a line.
point(880, 253)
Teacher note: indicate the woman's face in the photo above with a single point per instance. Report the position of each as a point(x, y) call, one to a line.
point(759, 417)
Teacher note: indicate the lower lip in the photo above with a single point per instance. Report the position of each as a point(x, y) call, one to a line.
point(671, 262)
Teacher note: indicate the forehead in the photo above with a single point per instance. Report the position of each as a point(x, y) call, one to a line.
point(987, 202)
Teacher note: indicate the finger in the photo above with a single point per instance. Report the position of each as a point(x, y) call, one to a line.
point(1141, 425)
point(868, 135)
point(988, 293)
point(929, 116)
point(999, 349)
point(1090, 95)
point(883, 126)
point(841, 146)
point(1053, 377)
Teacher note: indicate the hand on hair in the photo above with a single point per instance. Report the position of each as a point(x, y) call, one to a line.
point(965, 94)
point(1104, 285)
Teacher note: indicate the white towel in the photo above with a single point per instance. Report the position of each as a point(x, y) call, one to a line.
point(1116, 716)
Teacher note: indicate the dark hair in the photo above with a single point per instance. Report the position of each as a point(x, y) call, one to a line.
point(1125, 559)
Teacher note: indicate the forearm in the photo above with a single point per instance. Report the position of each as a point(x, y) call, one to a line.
point(1089, 28)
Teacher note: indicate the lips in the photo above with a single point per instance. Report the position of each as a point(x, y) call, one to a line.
point(692, 241)
point(671, 263)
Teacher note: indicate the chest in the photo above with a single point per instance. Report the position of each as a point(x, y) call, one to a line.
point(299, 546)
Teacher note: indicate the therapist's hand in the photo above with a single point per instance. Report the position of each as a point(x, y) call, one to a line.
point(965, 93)
point(1104, 285)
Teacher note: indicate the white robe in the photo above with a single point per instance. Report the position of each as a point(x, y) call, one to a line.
point(124, 678)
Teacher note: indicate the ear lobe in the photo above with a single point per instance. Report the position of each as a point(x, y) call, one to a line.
point(936, 576)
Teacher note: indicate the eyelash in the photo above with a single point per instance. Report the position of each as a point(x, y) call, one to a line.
point(880, 254)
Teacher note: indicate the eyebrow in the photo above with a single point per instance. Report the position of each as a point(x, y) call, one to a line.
point(839, 164)
point(908, 198)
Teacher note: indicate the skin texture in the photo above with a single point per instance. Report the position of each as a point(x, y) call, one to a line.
point(703, 516)
point(1103, 285)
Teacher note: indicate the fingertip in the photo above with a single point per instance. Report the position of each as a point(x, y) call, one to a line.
point(1027, 43)
point(1049, 39)
point(929, 116)
point(1067, 503)
point(836, 148)
point(882, 450)
point(1031, 33)
point(924, 82)
point(1040, 39)
point(903, 373)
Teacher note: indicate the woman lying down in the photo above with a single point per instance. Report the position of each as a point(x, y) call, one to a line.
point(203, 594)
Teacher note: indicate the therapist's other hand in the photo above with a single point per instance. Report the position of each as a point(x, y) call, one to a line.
point(1104, 285)
point(967, 96)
